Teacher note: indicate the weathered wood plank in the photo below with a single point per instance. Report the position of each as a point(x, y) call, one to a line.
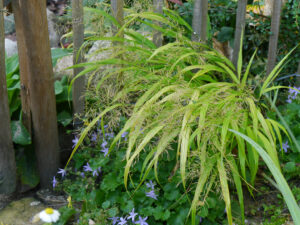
point(32, 16)
point(118, 12)
point(78, 57)
point(273, 40)
point(7, 154)
point(24, 72)
point(239, 28)
point(157, 35)
point(199, 23)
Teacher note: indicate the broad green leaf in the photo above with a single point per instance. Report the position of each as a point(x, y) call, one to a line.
point(58, 87)
point(281, 182)
point(65, 118)
point(19, 133)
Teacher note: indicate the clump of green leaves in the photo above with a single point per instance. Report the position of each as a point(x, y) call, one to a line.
point(104, 196)
point(191, 95)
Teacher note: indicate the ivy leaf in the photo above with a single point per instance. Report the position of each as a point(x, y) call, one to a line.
point(110, 182)
point(179, 217)
point(173, 195)
point(290, 167)
point(127, 206)
point(105, 204)
point(65, 118)
point(19, 133)
point(58, 87)
point(113, 212)
point(65, 215)
point(161, 214)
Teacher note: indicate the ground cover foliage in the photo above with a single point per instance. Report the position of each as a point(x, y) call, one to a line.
point(26, 162)
point(186, 102)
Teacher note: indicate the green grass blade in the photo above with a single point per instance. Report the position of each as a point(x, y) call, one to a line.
point(244, 80)
point(274, 73)
point(225, 189)
point(88, 128)
point(281, 182)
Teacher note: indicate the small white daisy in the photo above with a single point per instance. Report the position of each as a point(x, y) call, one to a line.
point(49, 215)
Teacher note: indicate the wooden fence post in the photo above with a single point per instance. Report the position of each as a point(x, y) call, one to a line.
point(118, 13)
point(78, 38)
point(239, 28)
point(199, 23)
point(32, 17)
point(275, 24)
point(298, 73)
point(7, 154)
point(157, 35)
point(24, 72)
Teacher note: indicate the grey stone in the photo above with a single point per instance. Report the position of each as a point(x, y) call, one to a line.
point(21, 212)
point(52, 28)
point(9, 24)
point(95, 53)
point(61, 65)
point(11, 47)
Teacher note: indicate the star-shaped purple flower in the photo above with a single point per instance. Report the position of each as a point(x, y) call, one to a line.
point(142, 221)
point(75, 141)
point(124, 135)
point(94, 137)
point(87, 168)
point(150, 184)
point(96, 172)
point(54, 182)
point(285, 146)
point(62, 172)
point(105, 151)
point(110, 135)
point(114, 220)
point(104, 143)
point(151, 194)
point(132, 215)
point(122, 221)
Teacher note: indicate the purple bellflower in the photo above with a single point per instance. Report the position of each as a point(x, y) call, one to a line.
point(151, 194)
point(142, 221)
point(54, 182)
point(114, 220)
point(285, 146)
point(96, 172)
point(122, 221)
point(124, 135)
point(75, 141)
point(110, 135)
point(62, 172)
point(94, 137)
point(132, 215)
point(104, 143)
point(87, 168)
point(105, 151)
point(150, 185)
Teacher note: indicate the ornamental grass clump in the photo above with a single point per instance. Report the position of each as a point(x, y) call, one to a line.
point(188, 95)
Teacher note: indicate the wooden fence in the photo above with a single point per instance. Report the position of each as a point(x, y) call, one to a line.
point(38, 100)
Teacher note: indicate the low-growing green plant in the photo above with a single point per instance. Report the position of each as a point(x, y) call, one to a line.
point(188, 94)
point(25, 157)
point(22, 137)
point(96, 181)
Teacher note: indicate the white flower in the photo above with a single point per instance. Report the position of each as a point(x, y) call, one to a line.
point(49, 215)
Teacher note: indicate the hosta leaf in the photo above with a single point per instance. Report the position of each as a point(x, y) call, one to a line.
point(19, 133)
